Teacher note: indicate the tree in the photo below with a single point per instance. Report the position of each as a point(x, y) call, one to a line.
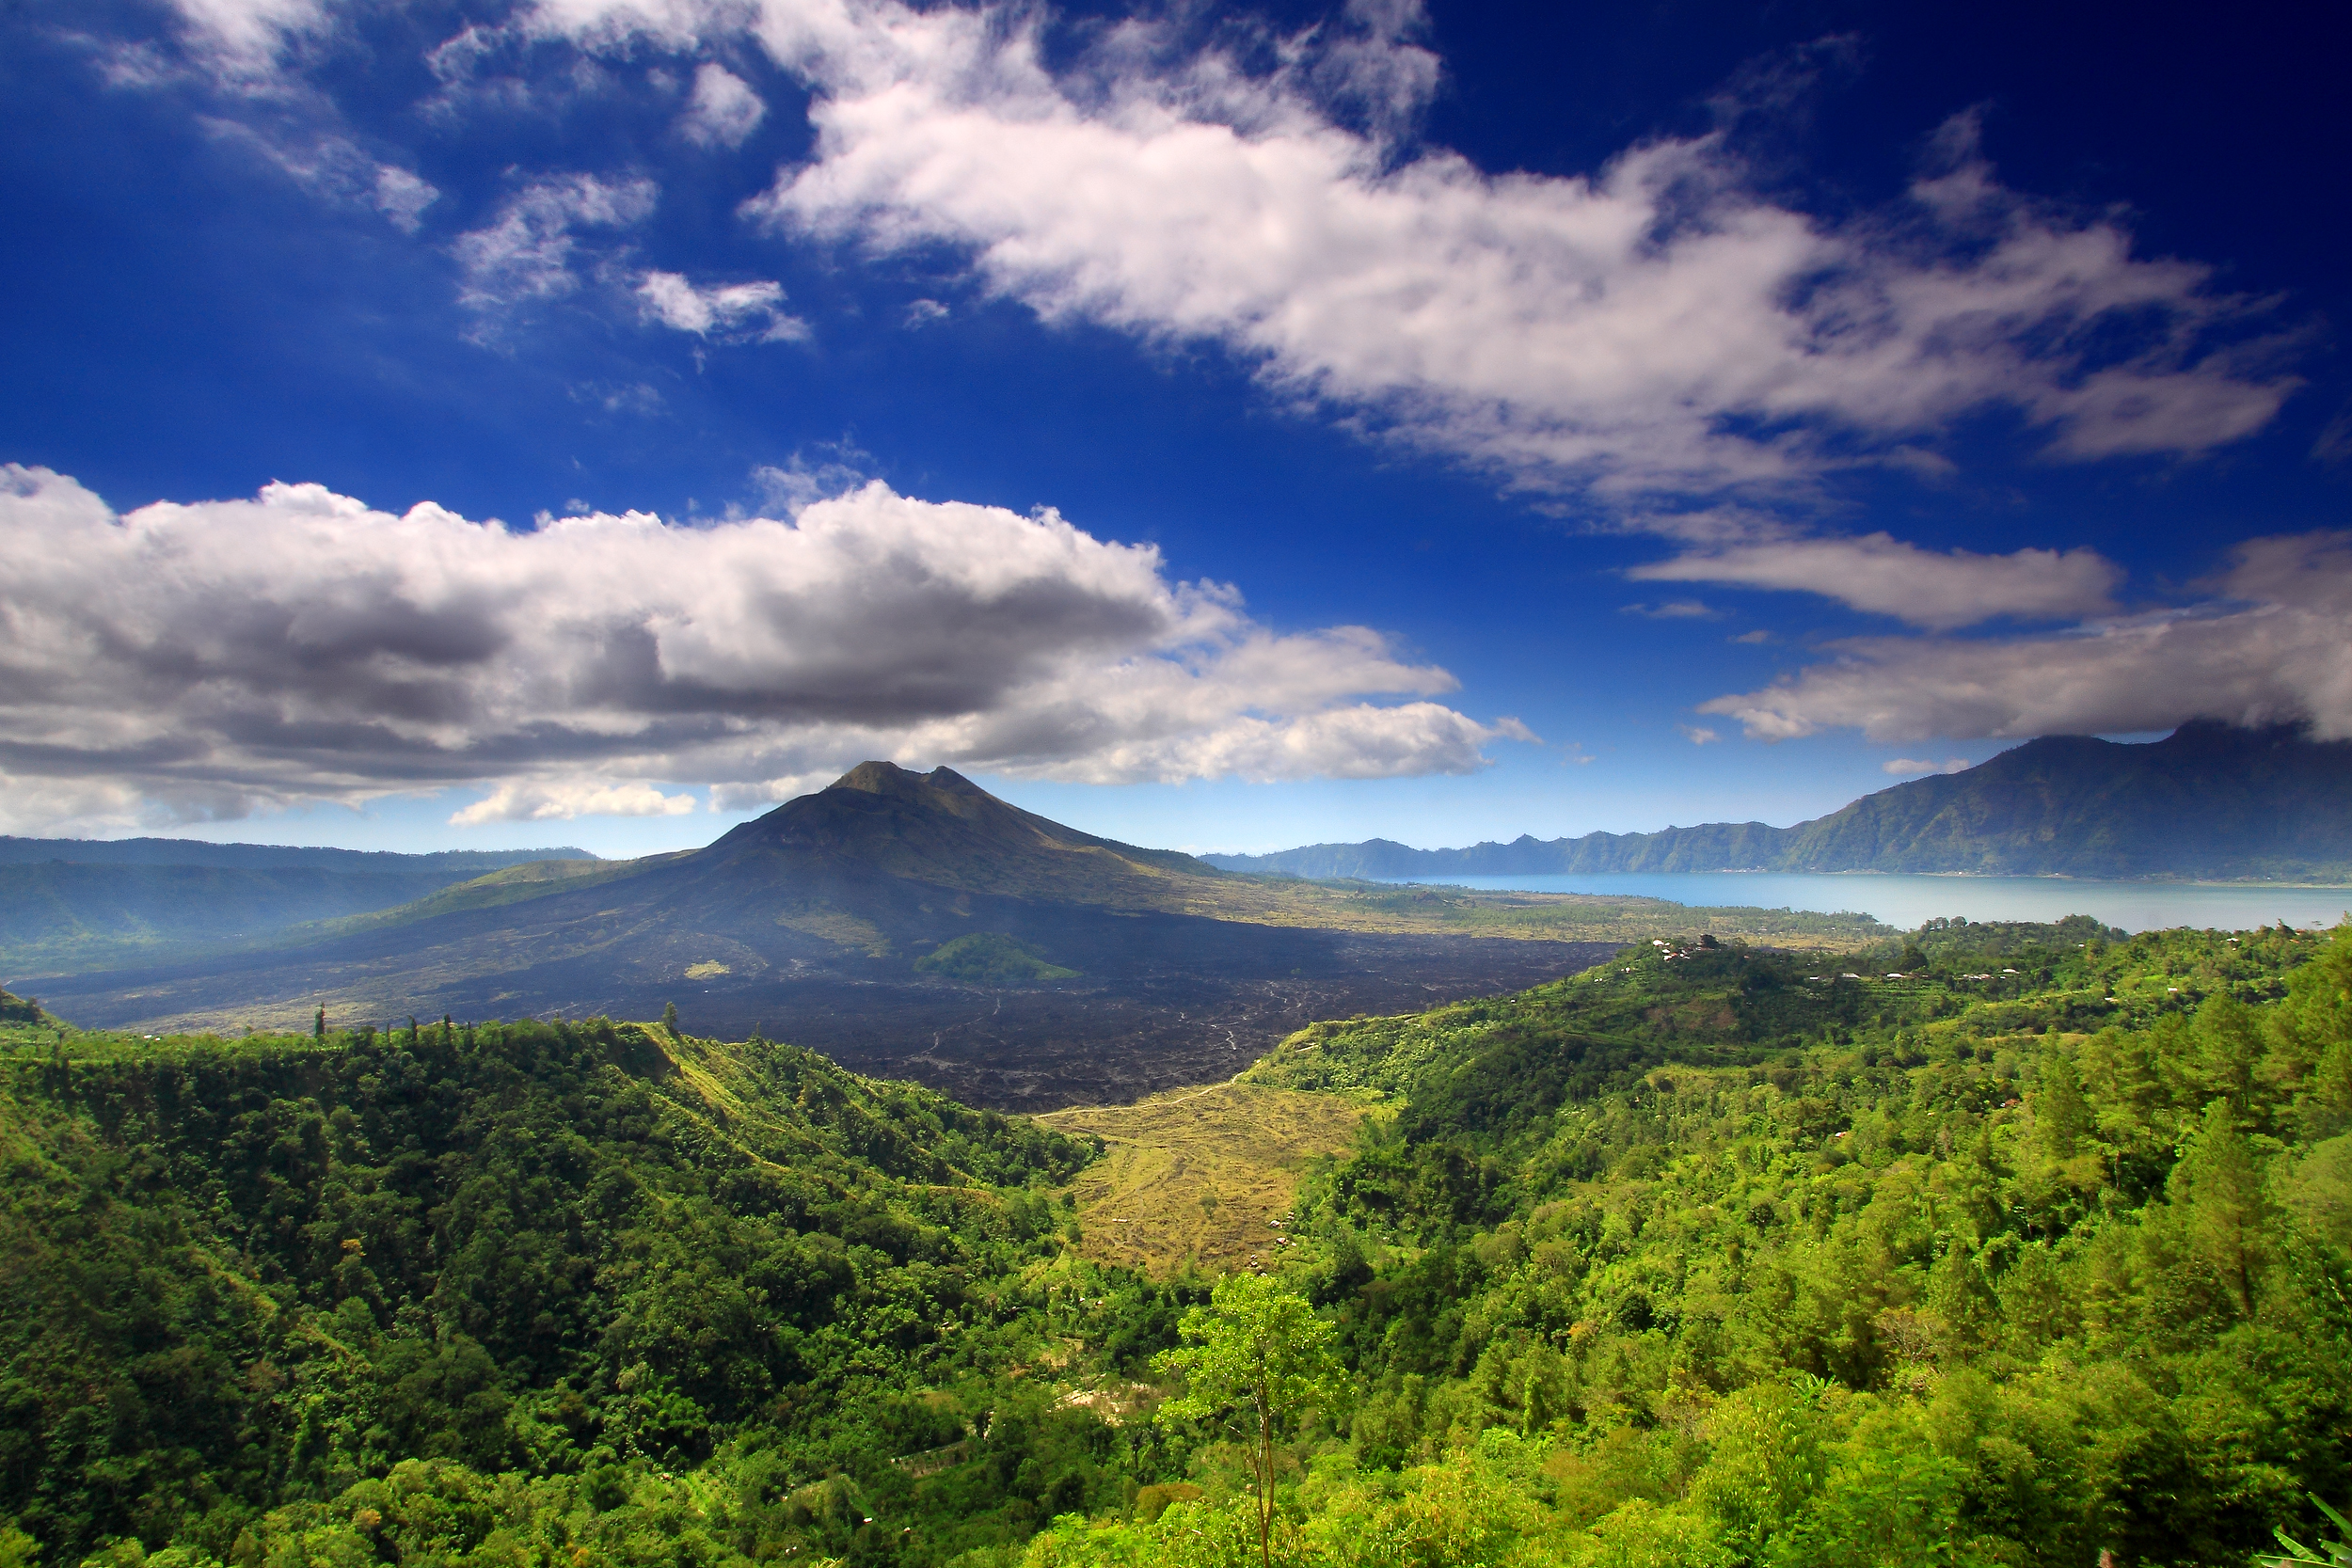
point(2217, 1187)
point(1255, 1359)
point(669, 1018)
point(318, 1024)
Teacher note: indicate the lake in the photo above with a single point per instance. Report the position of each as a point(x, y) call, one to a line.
point(1906, 901)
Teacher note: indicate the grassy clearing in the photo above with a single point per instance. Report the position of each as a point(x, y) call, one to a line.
point(1195, 1178)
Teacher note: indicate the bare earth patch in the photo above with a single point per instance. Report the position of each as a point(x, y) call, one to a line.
point(1198, 1178)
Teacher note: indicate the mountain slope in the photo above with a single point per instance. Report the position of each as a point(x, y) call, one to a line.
point(2208, 802)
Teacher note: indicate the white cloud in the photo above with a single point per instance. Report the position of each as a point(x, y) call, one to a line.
point(558, 799)
point(1908, 767)
point(334, 167)
point(1697, 734)
point(77, 807)
point(1887, 577)
point(1673, 609)
point(2271, 650)
point(1658, 327)
point(723, 109)
point(751, 794)
point(221, 656)
point(525, 253)
point(728, 310)
point(244, 36)
point(836, 468)
point(402, 195)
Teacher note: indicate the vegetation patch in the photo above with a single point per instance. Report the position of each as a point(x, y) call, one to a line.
point(1202, 1180)
point(992, 958)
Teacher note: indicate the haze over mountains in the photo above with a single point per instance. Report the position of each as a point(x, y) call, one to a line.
point(72, 902)
point(456, 864)
point(2209, 802)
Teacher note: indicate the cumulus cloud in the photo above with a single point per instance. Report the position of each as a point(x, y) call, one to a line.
point(551, 801)
point(723, 109)
point(1910, 767)
point(1697, 734)
point(724, 309)
point(2270, 649)
point(216, 657)
point(1887, 577)
point(525, 252)
point(1658, 327)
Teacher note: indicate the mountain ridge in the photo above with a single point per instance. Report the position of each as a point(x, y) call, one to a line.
point(2209, 802)
point(268, 856)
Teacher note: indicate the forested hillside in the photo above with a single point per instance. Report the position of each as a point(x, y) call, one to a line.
point(525, 1291)
point(1699, 1259)
point(1996, 1245)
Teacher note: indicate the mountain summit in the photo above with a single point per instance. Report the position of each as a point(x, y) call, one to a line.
point(940, 830)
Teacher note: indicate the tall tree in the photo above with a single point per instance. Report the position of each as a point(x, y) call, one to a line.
point(1255, 1359)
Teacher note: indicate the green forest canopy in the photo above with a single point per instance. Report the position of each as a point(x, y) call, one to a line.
point(1998, 1244)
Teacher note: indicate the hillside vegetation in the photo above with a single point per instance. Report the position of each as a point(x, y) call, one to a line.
point(1988, 1244)
point(530, 1292)
point(1699, 1259)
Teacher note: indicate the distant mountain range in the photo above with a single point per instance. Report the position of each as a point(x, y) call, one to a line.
point(453, 865)
point(75, 902)
point(2210, 801)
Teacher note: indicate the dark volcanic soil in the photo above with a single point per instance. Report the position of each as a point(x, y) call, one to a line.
point(1161, 1001)
point(1102, 1043)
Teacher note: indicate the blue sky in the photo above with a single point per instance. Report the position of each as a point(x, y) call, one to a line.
point(1216, 428)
